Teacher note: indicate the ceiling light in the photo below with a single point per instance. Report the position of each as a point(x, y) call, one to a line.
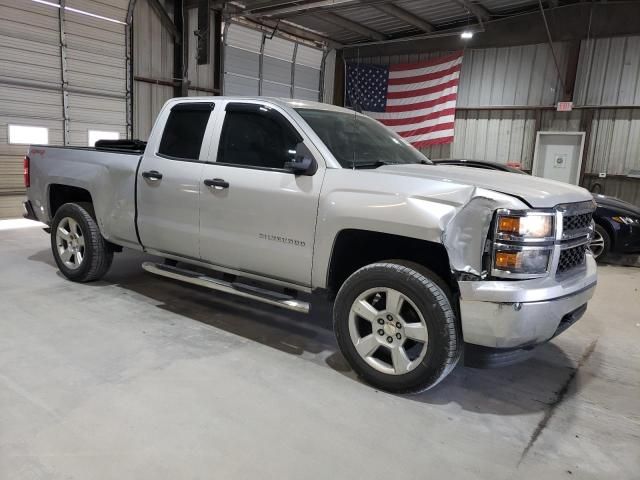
point(466, 35)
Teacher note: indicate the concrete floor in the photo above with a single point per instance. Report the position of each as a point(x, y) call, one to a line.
point(138, 377)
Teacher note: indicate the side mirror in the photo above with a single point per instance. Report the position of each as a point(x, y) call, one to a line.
point(303, 163)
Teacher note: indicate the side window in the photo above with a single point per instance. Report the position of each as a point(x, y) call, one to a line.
point(256, 137)
point(184, 130)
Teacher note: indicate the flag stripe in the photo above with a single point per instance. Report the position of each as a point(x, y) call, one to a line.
point(439, 127)
point(427, 63)
point(430, 136)
point(433, 141)
point(423, 91)
point(411, 114)
point(423, 78)
point(425, 101)
point(416, 72)
point(394, 122)
point(412, 87)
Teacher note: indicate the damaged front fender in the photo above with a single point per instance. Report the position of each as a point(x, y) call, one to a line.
point(465, 235)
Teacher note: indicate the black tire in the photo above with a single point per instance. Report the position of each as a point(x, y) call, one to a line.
point(98, 256)
point(606, 238)
point(431, 296)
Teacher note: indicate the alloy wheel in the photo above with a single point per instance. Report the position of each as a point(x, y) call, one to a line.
point(388, 331)
point(70, 243)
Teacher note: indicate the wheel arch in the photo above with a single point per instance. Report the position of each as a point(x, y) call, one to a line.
point(355, 248)
point(59, 194)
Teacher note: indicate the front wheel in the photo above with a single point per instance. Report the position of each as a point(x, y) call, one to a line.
point(79, 249)
point(396, 327)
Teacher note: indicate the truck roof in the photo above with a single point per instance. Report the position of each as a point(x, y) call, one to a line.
point(283, 102)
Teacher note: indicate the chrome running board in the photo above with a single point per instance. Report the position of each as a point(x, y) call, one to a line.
point(234, 288)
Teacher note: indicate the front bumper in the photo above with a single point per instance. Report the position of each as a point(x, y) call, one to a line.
point(512, 314)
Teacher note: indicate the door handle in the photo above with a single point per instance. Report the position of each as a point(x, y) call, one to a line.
point(153, 175)
point(216, 183)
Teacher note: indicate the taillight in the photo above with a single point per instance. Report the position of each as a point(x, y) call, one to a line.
point(27, 173)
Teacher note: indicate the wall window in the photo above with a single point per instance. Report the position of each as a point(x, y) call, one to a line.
point(184, 130)
point(95, 135)
point(256, 140)
point(28, 135)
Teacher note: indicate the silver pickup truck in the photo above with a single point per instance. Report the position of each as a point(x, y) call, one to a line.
point(274, 200)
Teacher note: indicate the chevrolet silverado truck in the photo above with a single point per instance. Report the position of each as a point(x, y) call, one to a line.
point(275, 200)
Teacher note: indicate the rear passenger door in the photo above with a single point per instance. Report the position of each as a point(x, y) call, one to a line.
point(168, 182)
point(255, 215)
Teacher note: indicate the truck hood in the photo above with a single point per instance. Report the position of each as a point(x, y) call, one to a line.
point(537, 192)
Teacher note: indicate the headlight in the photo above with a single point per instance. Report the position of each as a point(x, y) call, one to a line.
point(521, 260)
point(523, 242)
point(627, 220)
point(525, 226)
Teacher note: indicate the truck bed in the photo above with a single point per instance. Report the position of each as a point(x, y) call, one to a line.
point(107, 174)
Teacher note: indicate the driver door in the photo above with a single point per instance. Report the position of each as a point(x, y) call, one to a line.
point(255, 215)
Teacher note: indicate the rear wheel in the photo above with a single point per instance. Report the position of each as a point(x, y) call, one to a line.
point(396, 327)
point(80, 251)
point(600, 243)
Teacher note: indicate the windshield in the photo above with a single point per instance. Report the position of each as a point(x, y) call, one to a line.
point(359, 141)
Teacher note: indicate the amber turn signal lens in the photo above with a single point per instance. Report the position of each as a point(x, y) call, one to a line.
point(507, 260)
point(509, 225)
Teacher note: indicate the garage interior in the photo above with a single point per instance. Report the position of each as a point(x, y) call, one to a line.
point(140, 377)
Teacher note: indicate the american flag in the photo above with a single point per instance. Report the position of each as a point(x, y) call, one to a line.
point(416, 100)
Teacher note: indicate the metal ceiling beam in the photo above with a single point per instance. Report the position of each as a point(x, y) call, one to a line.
point(165, 19)
point(281, 25)
point(481, 13)
point(353, 26)
point(407, 17)
point(280, 8)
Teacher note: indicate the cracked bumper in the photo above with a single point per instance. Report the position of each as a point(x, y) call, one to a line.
point(520, 313)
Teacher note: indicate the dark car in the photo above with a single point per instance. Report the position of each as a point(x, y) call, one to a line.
point(617, 221)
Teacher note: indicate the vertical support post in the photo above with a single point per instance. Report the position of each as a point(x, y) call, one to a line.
point(323, 65)
point(261, 64)
point(572, 71)
point(537, 127)
point(587, 127)
point(63, 76)
point(338, 83)
point(217, 52)
point(129, 74)
point(180, 50)
point(293, 70)
point(203, 34)
point(225, 36)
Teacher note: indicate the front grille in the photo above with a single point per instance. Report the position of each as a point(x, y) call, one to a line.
point(571, 258)
point(572, 223)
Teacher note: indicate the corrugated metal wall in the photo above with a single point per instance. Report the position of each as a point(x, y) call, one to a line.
point(496, 135)
point(96, 63)
point(39, 86)
point(153, 58)
point(30, 55)
point(256, 63)
point(511, 76)
point(609, 72)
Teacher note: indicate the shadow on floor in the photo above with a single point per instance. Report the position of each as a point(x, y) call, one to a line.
point(530, 386)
